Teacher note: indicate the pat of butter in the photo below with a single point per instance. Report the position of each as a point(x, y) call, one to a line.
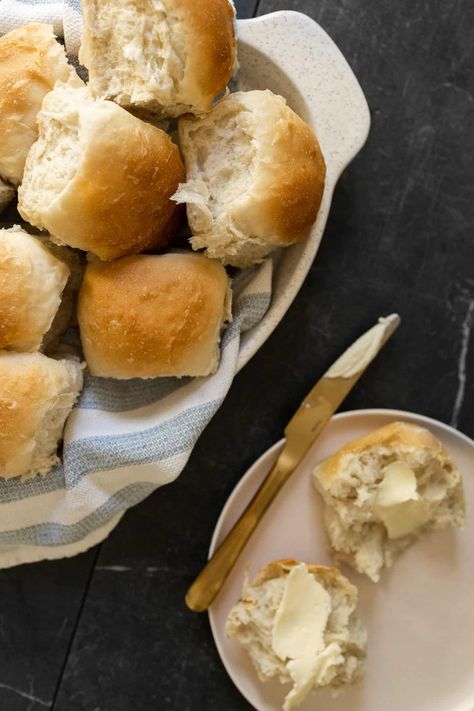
point(397, 502)
point(398, 485)
point(298, 632)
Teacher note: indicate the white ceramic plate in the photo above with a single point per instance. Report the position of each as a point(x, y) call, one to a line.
point(290, 54)
point(420, 616)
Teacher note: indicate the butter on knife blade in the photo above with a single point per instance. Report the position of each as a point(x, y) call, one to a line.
point(362, 352)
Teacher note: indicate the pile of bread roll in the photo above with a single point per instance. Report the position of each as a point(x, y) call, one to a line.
point(96, 175)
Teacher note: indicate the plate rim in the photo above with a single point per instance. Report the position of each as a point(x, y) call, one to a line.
point(348, 414)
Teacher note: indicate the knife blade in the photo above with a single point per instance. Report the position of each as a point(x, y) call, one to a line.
point(301, 432)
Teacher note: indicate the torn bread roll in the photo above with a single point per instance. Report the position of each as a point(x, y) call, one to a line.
point(32, 281)
point(153, 316)
point(36, 396)
point(31, 61)
point(384, 490)
point(255, 177)
point(164, 57)
point(298, 623)
point(98, 178)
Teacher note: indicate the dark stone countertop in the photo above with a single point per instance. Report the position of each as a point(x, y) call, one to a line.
point(108, 631)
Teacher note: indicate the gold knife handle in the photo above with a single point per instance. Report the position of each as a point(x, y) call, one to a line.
point(210, 580)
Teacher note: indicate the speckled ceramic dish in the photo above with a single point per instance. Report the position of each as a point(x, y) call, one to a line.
point(420, 616)
point(290, 54)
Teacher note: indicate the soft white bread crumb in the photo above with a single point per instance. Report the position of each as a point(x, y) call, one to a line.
point(7, 193)
point(32, 281)
point(165, 57)
point(98, 178)
point(255, 177)
point(31, 61)
point(154, 316)
point(251, 622)
point(36, 396)
point(362, 530)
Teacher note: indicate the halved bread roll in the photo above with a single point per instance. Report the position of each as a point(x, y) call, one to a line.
point(153, 316)
point(36, 396)
point(31, 61)
point(255, 177)
point(98, 178)
point(165, 57)
point(32, 281)
point(298, 623)
point(383, 490)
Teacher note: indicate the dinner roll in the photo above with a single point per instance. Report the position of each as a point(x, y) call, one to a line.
point(36, 396)
point(255, 177)
point(383, 490)
point(31, 284)
point(31, 61)
point(298, 623)
point(7, 193)
point(165, 57)
point(152, 316)
point(98, 178)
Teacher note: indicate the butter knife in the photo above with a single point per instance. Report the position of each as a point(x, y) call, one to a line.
point(301, 432)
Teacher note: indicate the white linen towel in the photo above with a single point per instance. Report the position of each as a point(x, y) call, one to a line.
point(121, 443)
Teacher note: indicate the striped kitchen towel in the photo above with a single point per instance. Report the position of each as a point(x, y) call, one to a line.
point(121, 443)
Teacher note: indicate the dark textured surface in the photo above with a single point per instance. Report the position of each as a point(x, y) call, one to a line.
point(400, 237)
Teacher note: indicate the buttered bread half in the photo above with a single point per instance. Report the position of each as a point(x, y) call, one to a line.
point(383, 491)
point(298, 623)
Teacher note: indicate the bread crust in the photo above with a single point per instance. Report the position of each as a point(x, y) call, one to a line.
point(211, 50)
point(393, 435)
point(290, 175)
point(31, 61)
point(206, 32)
point(31, 283)
point(153, 316)
point(331, 576)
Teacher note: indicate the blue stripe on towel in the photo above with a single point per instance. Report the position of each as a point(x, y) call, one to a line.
point(105, 453)
point(59, 534)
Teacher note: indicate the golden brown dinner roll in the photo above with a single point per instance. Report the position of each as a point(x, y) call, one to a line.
point(166, 58)
point(255, 177)
point(31, 284)
point(152, 316)
point(98, 178)
point(31, 61)
point(381, 492)
point(298, 623)
point(36, 396)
